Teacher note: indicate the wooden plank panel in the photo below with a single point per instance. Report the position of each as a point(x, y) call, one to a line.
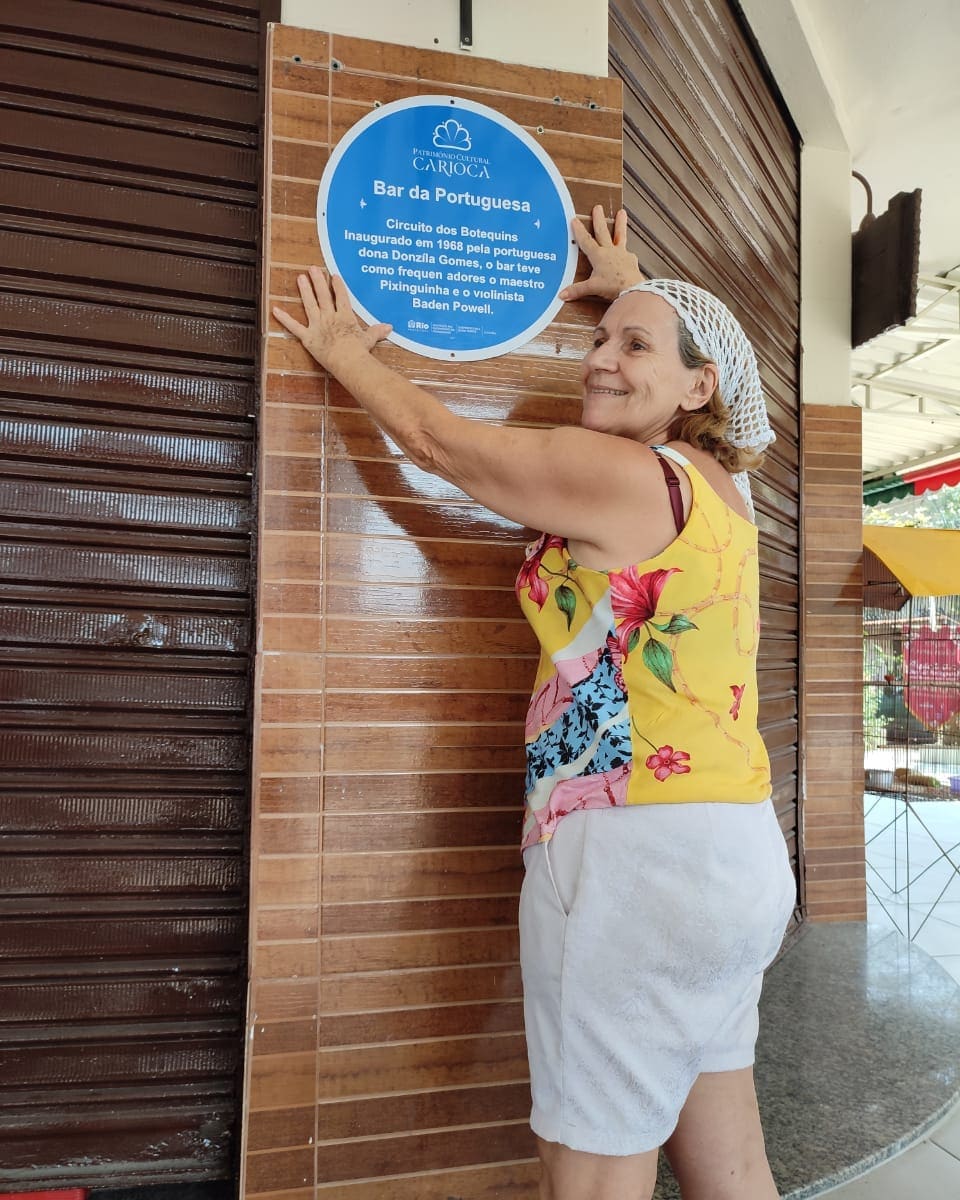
point(832, 700)
point(493, 79)
point(503, 1181)
point(408, 951)
point(422, 1110)
point(402, 793)
point(424, 1152)
point(450, 1020)
point(447, 1062)
point(460, 872)
point(483, 912)
point(424, 988)
point(534, 115)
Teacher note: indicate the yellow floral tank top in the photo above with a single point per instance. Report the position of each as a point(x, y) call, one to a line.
point(646, 692)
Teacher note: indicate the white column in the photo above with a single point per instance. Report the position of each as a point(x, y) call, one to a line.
point(788, 40)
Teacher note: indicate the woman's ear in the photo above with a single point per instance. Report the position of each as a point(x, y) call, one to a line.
point(703, 384)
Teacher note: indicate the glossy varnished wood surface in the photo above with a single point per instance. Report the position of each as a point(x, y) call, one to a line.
point(387, 1052)
point(833, 664)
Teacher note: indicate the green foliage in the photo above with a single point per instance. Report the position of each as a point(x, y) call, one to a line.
point(931, 510)
point(566, 599)
point(658, 659)
point(677, 624)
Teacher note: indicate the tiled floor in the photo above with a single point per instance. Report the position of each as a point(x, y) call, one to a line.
point(930, 1170)
point(911, 857)
point(913, 869)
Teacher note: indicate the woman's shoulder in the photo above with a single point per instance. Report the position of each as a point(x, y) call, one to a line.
point(713, 473)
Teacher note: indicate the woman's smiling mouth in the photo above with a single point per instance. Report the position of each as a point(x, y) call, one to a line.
point(596, 389)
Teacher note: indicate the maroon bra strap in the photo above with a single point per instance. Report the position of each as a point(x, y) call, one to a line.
point(673, 486)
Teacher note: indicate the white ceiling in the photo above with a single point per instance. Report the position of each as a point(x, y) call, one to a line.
point(907, 382)
point(894, 69)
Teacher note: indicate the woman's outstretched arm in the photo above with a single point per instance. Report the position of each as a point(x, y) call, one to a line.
point(541, 478)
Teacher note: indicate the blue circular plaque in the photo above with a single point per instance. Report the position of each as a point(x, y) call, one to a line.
point(451, 223)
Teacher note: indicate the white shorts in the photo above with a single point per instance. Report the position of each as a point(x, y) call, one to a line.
point(644, 933)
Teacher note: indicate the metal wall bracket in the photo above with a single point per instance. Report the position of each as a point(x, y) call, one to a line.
point(466, 24)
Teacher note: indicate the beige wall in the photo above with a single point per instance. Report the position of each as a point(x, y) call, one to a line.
point(563, 35)
point(789, 43)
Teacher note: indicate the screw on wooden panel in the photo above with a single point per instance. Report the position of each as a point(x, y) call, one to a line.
point(377, 103)
point(593, 104)
point(557, 100)
point(336, 64)
point(539, 129)
point(297, 58)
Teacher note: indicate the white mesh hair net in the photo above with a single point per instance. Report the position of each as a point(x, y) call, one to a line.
point(719, 335)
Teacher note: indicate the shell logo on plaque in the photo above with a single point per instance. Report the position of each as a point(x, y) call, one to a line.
point(451, 223)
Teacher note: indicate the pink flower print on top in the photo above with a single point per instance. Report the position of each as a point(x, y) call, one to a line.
point(634, 599)
point(605, 790)
point(667, 762)
point(547, 706)
point(529, 575)
point(738, 689)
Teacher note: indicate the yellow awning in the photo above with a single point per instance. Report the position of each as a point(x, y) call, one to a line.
point(926, 561)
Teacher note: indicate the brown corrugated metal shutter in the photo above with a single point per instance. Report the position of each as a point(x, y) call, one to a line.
point(129, 194)
point(712, 182)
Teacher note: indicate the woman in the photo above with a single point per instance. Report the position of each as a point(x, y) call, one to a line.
point(657, 886)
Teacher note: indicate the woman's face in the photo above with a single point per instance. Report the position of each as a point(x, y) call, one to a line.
point(634, 382)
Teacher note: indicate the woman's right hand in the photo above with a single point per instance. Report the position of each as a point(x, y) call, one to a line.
point(614, 267)
point(332, 327)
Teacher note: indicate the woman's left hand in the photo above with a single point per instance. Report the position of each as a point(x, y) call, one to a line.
point(332, 325)
point(613, 266)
